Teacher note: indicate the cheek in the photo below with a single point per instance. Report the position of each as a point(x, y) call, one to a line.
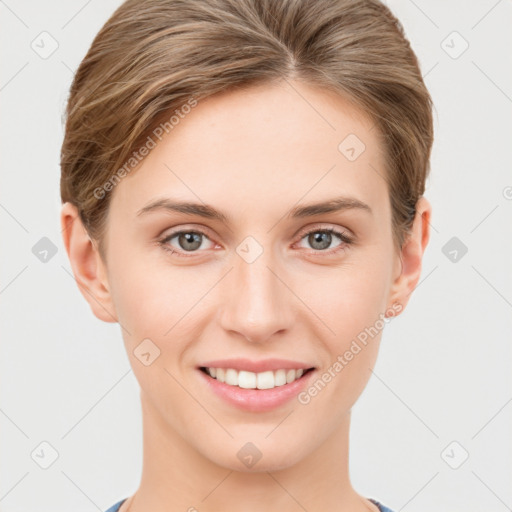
point(355, 312)
point(150, 299)
point(348, 299)
point(162, 303)
point(353, 308)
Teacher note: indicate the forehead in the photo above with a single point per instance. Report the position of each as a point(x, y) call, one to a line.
point(264, 147)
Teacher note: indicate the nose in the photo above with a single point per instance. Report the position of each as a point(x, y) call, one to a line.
point(256, 303)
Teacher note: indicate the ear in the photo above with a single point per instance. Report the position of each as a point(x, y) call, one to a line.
point(88, 267)
point(411, 256)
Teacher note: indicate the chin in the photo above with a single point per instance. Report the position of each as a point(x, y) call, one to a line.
point(266, 460)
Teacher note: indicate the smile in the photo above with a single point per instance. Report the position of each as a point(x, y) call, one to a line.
point(250, 380)
point(255, 385)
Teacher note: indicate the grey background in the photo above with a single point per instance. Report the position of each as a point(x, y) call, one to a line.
point(443, 374)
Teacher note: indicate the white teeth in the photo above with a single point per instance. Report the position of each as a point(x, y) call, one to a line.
point(231, 377)
point(265, 380)
point(250, 380)
point(280, 377)
point(247, 380)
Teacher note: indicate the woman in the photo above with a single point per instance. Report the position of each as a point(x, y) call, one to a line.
point(242, 187)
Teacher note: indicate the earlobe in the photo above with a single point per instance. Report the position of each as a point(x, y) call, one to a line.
point(411, 255)
point(88, 267)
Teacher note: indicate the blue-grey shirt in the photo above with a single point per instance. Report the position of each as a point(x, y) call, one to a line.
point(382, 508)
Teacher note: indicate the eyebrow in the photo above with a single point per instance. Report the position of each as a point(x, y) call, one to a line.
point(203, 210)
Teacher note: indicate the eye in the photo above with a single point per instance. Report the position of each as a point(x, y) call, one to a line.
point(321, 238)
point(187, 240)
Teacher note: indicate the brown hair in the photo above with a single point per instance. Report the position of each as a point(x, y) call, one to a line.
point(152, 56)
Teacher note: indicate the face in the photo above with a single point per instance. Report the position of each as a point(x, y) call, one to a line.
point(265, 286)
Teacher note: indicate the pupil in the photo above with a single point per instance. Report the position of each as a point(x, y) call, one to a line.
point(190, 241)
point(318, 237)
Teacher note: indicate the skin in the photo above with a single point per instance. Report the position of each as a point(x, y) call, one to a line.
point(254, 154)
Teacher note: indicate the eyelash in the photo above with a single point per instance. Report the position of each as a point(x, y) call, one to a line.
point(347, 241)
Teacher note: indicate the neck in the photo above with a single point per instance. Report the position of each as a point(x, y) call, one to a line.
point(175, 477)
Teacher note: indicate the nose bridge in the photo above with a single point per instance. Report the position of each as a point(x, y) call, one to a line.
point(257, 303)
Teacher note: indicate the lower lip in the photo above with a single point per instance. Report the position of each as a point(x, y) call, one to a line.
point(257, 400)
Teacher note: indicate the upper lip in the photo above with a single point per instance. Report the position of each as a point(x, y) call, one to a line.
point(256, 366)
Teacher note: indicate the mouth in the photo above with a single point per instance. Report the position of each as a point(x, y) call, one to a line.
point(255, 386)
point(244, 379)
